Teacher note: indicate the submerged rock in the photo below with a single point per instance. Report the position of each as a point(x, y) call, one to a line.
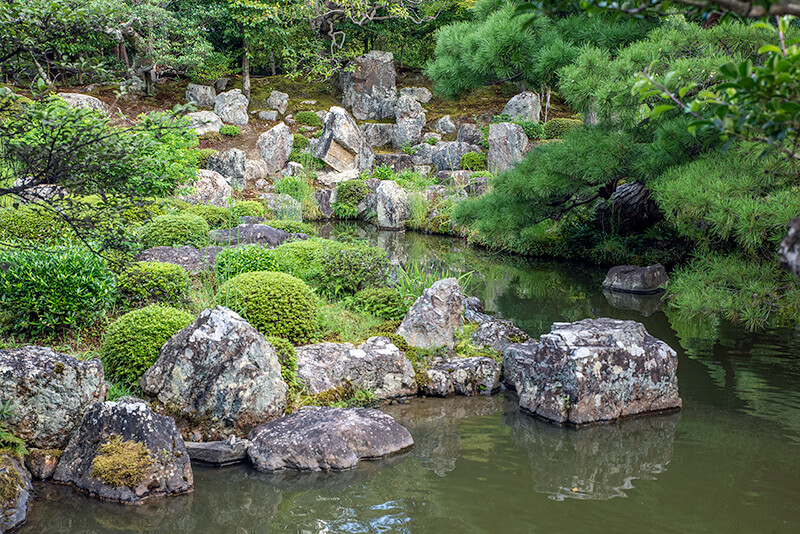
point(375, 365)
point(125, 452)
point(253, 233)
point(435, 316)
point(633, 279)
point(16, 492)
point(323, 439)
point(645, 304)
point(593, 370)
point(49, 392)
point(462, 376)
point(219, 371)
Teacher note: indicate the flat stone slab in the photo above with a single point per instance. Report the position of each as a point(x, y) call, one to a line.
point(219, 453)
point(325, 439)
point(192, 259)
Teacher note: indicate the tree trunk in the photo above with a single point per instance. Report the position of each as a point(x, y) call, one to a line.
point(246, 68)
point(123, 50)
point(148, 82)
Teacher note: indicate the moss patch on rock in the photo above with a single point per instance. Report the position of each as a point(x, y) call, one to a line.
point(121, 463)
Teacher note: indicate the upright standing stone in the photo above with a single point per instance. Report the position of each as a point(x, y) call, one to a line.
point(435, 316)
point(393, 206)
point(232, 165)
point(275, 146)
point(342, 144)
point(369, 89)
point(278, 101)
point(524, 107)
point(410, 120)
point(507, 146)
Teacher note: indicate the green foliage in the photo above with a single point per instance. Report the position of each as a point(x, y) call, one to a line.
point(309, 162)
point(383, 172)
point(288, 359)
point(413, 279)
point(432, 141)
point(35, 223)
point(292, 227)
point(352, 268)
point(277, 304)
point(52, 288)
point(247, 258)
point(344, 396)
point(247, 208)
point(146, 281)
point(308, 118)
point(382, 302)
point(473, 161)
point(300, 189)
point(230, 130)
point(131, 343)
point(215, 216)
point(172, 230)
point(202, 156)
point(349, 195)
point(557, 128)
point(8, 441)
point(300, 142)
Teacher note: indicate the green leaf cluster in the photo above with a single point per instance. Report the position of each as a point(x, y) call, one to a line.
point(149, 282)
point(173, 230)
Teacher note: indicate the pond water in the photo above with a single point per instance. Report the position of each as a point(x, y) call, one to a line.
point(728, 462)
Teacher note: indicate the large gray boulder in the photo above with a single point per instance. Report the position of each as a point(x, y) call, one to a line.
point(524, 107)
point(275, 146)
point(375, 365)
point(422, 154)
point(125, 452)
point(445, 125)
point(231, 107)
point(255, 169)
point(342, 144)
point(201, 95)
point(469, 133)
point(368, 86)
point(17, 493)
point(446, 156)
point(278, 101)
point(221, 371)
point(218, 453)
point(393, 207)
point(789, 249)
point(325, 198)
point(49, 392)
point(435, 316)
point(80, 101)
point(231, 164)
point(410, 120)
point(203, 122)
point(398, 162)
point(252, 233)
point(593, 370)
point(420, 94)
point(378, 133)
point(633, 279)
point(209, 188)
point(324, 439)
point(507, 146)
point(477, 375)
point(492, 333)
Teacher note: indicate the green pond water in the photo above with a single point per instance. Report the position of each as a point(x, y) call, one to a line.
point(728, 462)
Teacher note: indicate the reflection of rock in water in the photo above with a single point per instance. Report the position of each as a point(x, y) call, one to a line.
point(394, 243)
point(295, 481)
point(595, 462)
point(647, 305)
point(433, 423)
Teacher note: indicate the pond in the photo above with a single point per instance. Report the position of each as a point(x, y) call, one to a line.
point(728, 462)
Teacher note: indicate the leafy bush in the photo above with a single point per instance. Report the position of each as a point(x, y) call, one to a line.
point(300, 142)
point(349, 195)
point(132, 342)
point(287, 357)
point(295, 186)
point(247, 258)
point(32, 222)
point(230, 130)
point(431, 140)
point(277, 304)
point(383, 302)
point(308, 118)
point(292, 227)
point(473, 161)
point(247, 208)
point(215, 216)
point(309, 162)
point(172, 230)
point(557, 128)
point(154, 281)
point(52, 288)
point(532, 129)
point(383, 172)
point(303, 259)
point(352, 268)
point(202, 156)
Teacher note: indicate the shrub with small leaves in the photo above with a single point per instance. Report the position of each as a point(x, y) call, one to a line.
point(247, 208)
point(33, 222)
point(534, 130)
point(383, 302)
point(292, 227)
point(431, 140)
point(277, 304)
point(215, 216)
point(203, 155)
point(349, 195)
point(230, 130)
point(352, 268)
point(132, 342)
point(245, 259)
point(287, 357)
point(473, 161)
point(172, 230)
point(383, 172)
point(557, 128)
point(308, 118)
point(147, 281)
point(300, 142)
point(309, 162)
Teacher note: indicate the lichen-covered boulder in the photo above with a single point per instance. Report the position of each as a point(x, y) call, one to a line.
point(209, 188)
point(422, 95)
point(409, 122)
point(268, 115)
point(469, 133)
point(445, 125)
point(368, 86)
point(201, 95)
point(278, 101)
point(393, 207)
point(220, 371)
point(378, 133)
point(435, 316)
point(324, 439)
point(507, 146)
point(80, 101)
point(633, 279)
point(375, 365)
point(275, 146)
point(49, 391)
point(192, 259)
point(524, 107)
point(231, 107)
point(231, 165)
point(594, 370)
point(203, 122)
point(461, 376)
point(342, 144)
point(125, 452)
point(446, 156)
point(492, 333)
point(422, 154)
point(252, 233)
point(16, 492)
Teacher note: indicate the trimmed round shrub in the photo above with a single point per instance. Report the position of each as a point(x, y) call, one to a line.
point(383, 302)
point(172, 230)
point(215, 216)
point(300, 142)
point(292, 227)
point(349, 195)
point(132, 342)
point(303, 258)
point(277, 304)
point(152, 281)
point(351, 269)
point(473, 161)
point(230, 130)
point(558, 128)
point(287, 357)
point(203, 155)
point(244, 259)
point(308, 118)
point(247, 208)
point(33, 223)
point(46, 289)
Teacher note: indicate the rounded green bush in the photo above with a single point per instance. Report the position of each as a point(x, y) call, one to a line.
point(349, 195)
point(558, 128)
point(172, 230)
point(287, 357)
point(292, 227)
point(303, 259)
point(49, 288)
point(33, 222)
point(277, 304)
point(300, 142)
point(245, 259)
point(352, 268)
point(308, 118)
point(230, 130)
point(151, 281)
point(215, 216)
point(473, 161)
point(131, 344)
point(383, 302)
point(247, 208)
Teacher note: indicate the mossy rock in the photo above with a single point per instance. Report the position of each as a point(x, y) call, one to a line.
point(121, 463)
